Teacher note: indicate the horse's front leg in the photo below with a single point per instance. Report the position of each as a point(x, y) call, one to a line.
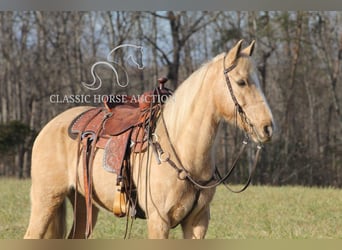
point(196, 225)
point(158, 227)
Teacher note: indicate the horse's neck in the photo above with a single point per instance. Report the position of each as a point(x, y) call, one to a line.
point(192, 124)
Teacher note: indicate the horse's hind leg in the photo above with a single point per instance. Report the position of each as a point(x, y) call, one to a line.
point(48, 210)
point(79, 226)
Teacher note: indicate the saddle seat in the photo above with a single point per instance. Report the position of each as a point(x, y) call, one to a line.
point(122, 118)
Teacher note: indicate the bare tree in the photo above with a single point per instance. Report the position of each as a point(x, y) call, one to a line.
point(180, 33)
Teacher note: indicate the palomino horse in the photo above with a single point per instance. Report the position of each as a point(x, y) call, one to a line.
point(186, 132)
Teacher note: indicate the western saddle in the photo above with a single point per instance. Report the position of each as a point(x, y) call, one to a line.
point(119, 128)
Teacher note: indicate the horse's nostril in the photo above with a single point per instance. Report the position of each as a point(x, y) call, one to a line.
point(268, 130)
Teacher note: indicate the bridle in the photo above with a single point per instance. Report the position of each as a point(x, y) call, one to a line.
point(183, 173)
point(246, 123)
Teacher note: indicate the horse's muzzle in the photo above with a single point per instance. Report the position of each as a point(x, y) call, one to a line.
point(266, 133)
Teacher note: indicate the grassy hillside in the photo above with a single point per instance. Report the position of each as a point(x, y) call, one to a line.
point(258, 213)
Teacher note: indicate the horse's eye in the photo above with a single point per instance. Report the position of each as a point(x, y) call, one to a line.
point(241, 83)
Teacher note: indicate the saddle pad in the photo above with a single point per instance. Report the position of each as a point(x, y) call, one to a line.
point(115, 151)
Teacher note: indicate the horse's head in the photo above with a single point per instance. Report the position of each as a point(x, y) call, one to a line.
point(240, 94)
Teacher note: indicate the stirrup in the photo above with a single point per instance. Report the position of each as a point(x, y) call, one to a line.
point(120, 200)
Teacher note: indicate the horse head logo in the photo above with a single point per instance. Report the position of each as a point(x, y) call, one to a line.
point(133, 55)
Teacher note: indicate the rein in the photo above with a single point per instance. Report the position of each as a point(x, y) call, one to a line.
point(183, 172)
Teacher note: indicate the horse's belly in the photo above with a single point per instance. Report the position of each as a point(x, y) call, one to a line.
point(104, 194)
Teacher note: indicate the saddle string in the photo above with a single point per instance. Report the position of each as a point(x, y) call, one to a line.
point(88, 171)
point(148, 159)
point(76, 186)
point(129, 219)
point(135, 201)
point(148, 126)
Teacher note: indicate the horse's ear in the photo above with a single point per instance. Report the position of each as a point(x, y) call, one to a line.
point(235, 51)
point(249, 50)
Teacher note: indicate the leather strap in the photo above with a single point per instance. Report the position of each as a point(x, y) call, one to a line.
point(79, 142)
point(87, 177)
point(88, 158)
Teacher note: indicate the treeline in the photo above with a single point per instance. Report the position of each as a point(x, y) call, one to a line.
point(298, 56)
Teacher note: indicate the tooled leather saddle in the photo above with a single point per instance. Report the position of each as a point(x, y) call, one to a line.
point(120, 128)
